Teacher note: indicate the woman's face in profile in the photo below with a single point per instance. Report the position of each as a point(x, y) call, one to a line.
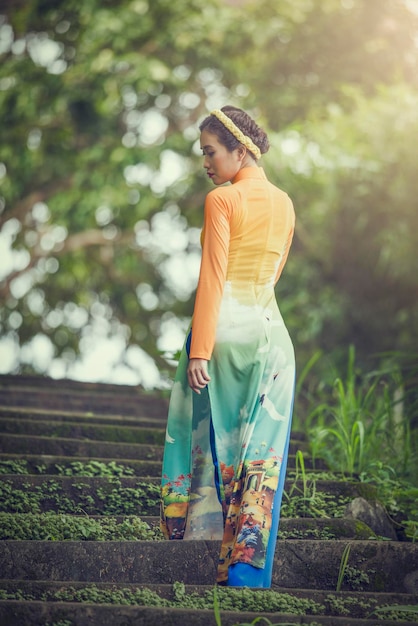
point(220, 164)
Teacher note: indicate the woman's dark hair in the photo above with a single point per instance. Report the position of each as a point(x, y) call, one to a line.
point(243, 121)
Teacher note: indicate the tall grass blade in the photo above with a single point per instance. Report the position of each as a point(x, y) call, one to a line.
point(343, 566)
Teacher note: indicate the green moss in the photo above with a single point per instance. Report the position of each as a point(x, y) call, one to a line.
point(110, 499)
point(53, 527)
point(367, 491)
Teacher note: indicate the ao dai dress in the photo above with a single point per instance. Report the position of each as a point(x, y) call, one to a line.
point(226, 448)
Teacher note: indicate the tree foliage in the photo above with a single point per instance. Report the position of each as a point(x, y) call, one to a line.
point(102, 188)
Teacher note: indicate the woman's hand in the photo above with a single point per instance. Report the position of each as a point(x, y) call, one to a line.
point(197, 374)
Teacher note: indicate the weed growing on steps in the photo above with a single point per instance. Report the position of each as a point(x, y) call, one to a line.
point(53, 527)
point(356, 578)
point(75, 468)
point(94, 468)
point(14, 467)
point(360, 420)
point(307, 501)
point(343, 566)
point(396, 612)
point(217, 599)
point(257, 620)
point(229, 599)
point(399, 497)
point(308, 533)
point(142, 499)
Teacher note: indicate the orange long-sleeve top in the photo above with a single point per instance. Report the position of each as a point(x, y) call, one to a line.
point(247, 233)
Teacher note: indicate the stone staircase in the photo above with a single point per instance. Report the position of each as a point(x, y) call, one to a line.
point(80, 466)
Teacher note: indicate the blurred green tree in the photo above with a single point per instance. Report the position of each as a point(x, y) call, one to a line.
point(102, 189)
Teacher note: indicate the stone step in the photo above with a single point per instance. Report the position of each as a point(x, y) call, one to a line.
point(346, 489)
point(43, 464)
point(46, 464)
point(86, 430)
point(331, 528)
point(125, 494)
point(33, 613)
point(13, 414)
point(69, 494)
point(278, 603)
point(53, 527)
point(373, 566)
point(68, 423)
point(28, 381)
point(103, 404)
point(62, 446)
point(46, 393)
point(311, 602)
point(17, 414)
point(145, 432)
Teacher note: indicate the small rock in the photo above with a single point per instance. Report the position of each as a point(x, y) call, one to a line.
point(373, 514)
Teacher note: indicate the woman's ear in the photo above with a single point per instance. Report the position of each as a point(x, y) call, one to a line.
point(242, 151)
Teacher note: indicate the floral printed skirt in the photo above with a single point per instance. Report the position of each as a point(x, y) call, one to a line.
point(226, 448)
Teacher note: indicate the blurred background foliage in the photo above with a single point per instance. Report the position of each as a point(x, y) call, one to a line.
point(102, 185)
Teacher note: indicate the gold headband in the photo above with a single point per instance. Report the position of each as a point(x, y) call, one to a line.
point(238, 134)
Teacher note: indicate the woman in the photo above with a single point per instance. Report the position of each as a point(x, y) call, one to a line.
point(226, 444)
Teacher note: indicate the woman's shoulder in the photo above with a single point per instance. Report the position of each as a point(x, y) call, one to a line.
point(223, 196)
point(223, 191)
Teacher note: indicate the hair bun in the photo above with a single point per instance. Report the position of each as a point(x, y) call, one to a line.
point(248, 127)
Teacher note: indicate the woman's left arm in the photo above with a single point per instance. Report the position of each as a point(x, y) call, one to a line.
point(197, 374)
point(210, 287)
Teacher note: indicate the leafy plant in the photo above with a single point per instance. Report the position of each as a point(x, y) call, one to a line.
point(94, 468)
point(357, 421)
point(308, 501)
point(396, 611)
point(14, 467)
point(75, 468)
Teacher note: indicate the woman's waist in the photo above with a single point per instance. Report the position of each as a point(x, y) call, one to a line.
point(250, 292)
point(250, 282)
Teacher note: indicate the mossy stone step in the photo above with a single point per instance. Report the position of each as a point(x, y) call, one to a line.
point(125, 494)
point(288, 601)
point(42, 464)
point(331, 528)
point(373, 566)
point(63, 527)
point(70, 494)
point(346, 489)
point(117, 432)
point(16, 613)
point(11, 413)
point(62, 446)
point(60, 527)
point(291, 601)
point(47, 464)
point(78, 430)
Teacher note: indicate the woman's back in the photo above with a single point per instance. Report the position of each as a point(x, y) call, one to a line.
point(261, 222)
point(247, 233)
